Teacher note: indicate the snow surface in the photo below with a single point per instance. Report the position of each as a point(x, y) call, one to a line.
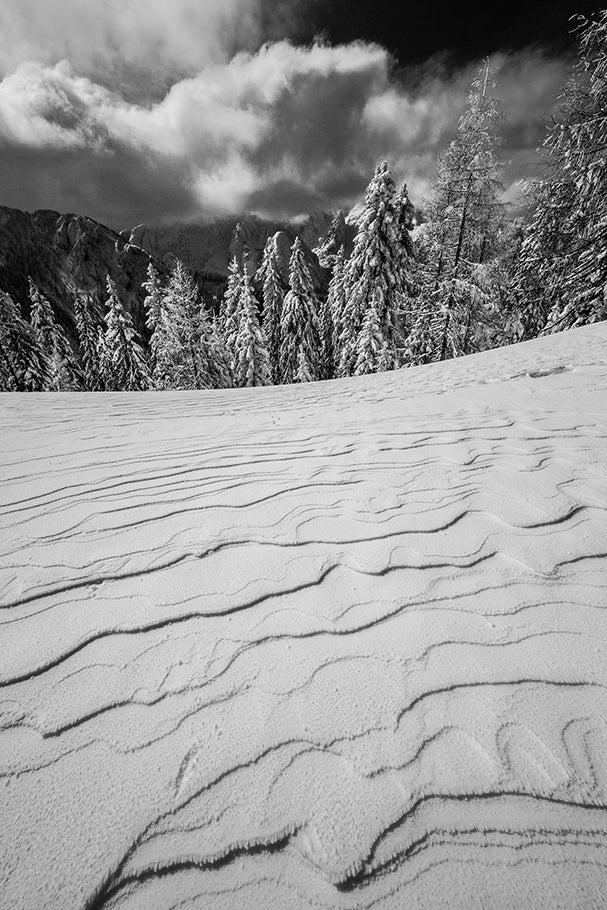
point(340, 646)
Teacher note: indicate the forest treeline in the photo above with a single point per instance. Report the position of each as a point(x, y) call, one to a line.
point(468, 278)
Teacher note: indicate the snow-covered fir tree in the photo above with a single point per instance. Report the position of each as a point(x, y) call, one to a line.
point(304, 372)
point(221, 375)
point(333, 242)
point(182, 304)
point(104, 362)
point(175, 342)
point(239, 247)
point(228, 311)
point(273, 297)
point(88, 342)
point(326, 360)
point(123, 364)
point(343, 335)
point(335, 328)
point(166, 355)
point(53, 341)
point(153, 303)
point(251, 360)
point(299, 328)
point(153, 300)
point(563, 261)
point(465, 223)
point(371, 346)
point(187, 354)
point(379, 269)
point(24, 366)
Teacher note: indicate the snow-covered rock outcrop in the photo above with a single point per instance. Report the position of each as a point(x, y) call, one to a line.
point(339, 646)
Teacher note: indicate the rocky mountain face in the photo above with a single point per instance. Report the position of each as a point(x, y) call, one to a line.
point(207, 247)
point(69, 254)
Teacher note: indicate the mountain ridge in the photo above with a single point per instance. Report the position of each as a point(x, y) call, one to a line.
point(66, 254)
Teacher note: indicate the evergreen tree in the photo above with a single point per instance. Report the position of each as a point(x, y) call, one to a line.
point(187, 354)
point(152, 303)
point(239, 248)
point(304, 372)
point(386, 361)
point(379, 269)
point(123, 362)
point(372, 349)
point(24, 366)
point(179, 357)
point(228, 312)
point(63, 374)
point(465, 224)
point(333, 242)
point(166, 354)
point(219, 365)
point(104, 363)
point(563, 271)
point(273, 297)
point(251, 360)
point(327, 368)
point(188, 314)
point(88, 340)
point(342, 330)
point(299, 325)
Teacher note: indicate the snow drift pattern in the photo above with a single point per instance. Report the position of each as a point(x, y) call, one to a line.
point(338, 645)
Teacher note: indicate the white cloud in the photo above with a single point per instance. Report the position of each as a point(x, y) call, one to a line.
point(278, 131)
point(143, 42)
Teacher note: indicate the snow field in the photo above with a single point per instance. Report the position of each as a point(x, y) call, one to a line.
point(339, 645)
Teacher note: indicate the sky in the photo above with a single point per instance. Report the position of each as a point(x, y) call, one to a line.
point(159, 111)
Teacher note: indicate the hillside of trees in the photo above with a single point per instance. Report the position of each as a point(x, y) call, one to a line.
point(466, 279)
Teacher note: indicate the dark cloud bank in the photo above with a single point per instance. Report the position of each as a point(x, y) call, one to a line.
point(155, 112)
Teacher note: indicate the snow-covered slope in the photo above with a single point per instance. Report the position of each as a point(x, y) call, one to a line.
point(334, 646)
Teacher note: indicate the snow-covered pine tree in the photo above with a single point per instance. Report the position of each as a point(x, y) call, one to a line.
point(239, 247)
point(184, 305)
point(333, 242)
point(251, 359)
point(53, 341)
point(326, 366)
point(123, 366)
point(104, 362)
point(215, 353)
point(220, 364)
point(9, 315)
point(372, 349)
point(563, 261)
point(228, 312)
point(24, 366)
point(187, 354)
point(304, 373)
point(379, 268)
point(166, 353)
point(299, 326)
point(334, 326)
point(343, 336)
point(385, 361)
point(465, 221)
point(179, 359)
point(88, 341)
point(152, 303)
point(273, 297)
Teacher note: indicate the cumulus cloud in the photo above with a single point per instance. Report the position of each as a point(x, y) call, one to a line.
point(139, 45)
point(281, 130)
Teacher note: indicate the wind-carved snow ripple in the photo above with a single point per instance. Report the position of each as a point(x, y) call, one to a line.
point(338, 646)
